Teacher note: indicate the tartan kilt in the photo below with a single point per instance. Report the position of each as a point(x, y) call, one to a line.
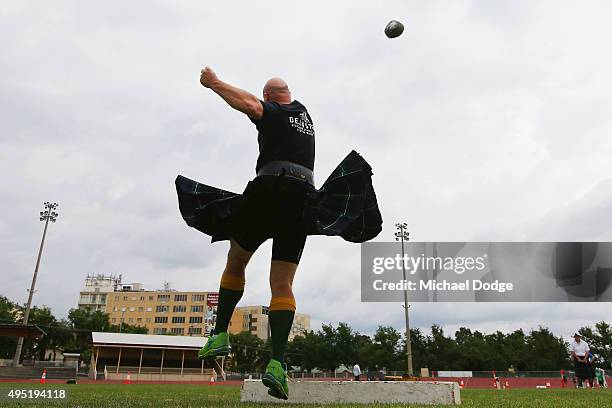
point(344, 206)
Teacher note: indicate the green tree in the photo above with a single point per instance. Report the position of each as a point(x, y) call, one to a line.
point(442, 350)
point(515, 350)
point(495, 353)
point(545, 352)
point(472, 350)
point(7, 315)
point(295, 354)
point(384, 351)
point(420, 356)
point(42, 317)
point(329, 358)
point(248, 352)
point(83, 322)
point(305, 351)
point(600, 342)
point(128, 328)
point(347, 343)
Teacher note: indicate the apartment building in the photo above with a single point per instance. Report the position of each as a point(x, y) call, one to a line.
point(96, 289)
point(254, 319)
point(165, 311)
point(168, 311)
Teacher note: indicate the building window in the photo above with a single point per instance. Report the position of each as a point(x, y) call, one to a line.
point(115, 309)
point(103, 298)
point(150, 297)
point(131, 320)
point(163, 298)
point(177, 330)
point(195, 319)
point(113, 320)
point(116, 297)
point(161, 319)
point(197, 298)
point(195, 330)
point(140, 309)
point(148, 320)
point(131, 309)
point(197, 309)
point(149, 309)
point(180, 298)
point(142, 298)
point(178, 319)
point(179, 309)
point(139, 320)
point(159, 330)
point(125, 298)
point(161, 309)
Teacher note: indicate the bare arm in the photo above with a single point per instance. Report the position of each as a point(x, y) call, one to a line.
point(237, 98)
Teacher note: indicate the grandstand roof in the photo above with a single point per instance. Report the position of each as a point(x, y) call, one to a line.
point(147, 340)
point(20, 330)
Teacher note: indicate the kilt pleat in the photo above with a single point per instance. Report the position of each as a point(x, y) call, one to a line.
point(344, 206)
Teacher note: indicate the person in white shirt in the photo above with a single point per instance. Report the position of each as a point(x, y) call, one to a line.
point(580, 354)
point(356, 371)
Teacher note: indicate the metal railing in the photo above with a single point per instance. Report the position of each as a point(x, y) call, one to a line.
point(380, 375)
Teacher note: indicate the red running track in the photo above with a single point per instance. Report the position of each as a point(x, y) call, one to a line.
point(473, 382)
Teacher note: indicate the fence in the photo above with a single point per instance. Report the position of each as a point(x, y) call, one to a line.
point(380, 375)
point(114, 373)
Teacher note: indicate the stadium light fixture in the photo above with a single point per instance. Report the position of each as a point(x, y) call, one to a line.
point(48, 214)
point(403, 235)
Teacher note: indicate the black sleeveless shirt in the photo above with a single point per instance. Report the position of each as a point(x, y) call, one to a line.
point(286, 133)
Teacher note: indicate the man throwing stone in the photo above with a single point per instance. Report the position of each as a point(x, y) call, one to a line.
point(280, 203)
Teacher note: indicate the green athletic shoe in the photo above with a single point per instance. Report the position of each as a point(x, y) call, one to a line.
point(275, 379)
point(216, 346)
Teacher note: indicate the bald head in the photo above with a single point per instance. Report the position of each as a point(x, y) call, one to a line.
point(276, 90)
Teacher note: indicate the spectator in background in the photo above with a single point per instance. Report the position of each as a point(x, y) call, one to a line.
point(580, 355)
point(356, 371)
point(591, 361)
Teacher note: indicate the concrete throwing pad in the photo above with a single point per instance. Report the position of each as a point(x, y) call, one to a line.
point(357, 392)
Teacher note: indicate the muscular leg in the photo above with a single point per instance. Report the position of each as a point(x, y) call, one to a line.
point(232, 285)
point(282, 305)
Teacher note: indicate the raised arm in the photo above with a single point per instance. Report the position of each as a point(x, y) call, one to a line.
point(237, 98)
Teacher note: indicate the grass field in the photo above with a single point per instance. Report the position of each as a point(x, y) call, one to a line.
point(180, 395)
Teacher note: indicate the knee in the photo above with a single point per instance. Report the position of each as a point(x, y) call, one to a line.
point(234, 274)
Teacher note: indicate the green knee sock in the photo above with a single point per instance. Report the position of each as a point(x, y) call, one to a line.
point(280, 325)
point(228, 299)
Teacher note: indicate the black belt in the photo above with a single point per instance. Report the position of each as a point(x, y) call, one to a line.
point(287, 168)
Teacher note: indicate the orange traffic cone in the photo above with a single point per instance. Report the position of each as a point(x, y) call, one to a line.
point(461, 384)
point(507, 384)
point(43, 377)
point(547, 385)
point(128, 378)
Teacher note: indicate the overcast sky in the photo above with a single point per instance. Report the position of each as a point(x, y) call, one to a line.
point(486, 120)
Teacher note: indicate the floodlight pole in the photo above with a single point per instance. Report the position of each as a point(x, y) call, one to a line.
point(47, 215)
point(402, 235)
